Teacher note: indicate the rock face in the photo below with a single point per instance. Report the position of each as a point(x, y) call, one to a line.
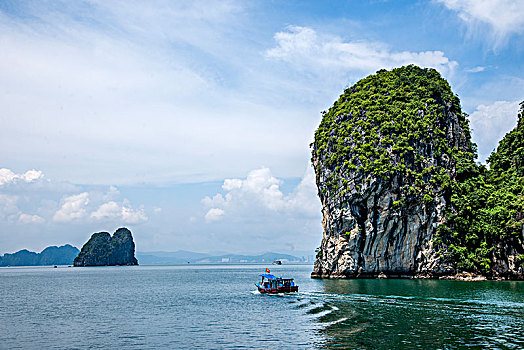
point(384, 156)
point(104, 250)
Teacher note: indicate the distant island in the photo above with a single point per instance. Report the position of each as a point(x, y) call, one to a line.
point(63, 255)
point(400, 190)
point(103, 250)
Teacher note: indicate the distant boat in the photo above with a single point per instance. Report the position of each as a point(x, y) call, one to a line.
point(277, 262)
point(271, 284)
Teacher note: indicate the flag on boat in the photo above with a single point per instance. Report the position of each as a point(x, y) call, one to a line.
point(267, 270)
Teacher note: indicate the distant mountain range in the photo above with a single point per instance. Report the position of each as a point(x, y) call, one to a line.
point(184, 257)
point(66, 254)
point(63, 255)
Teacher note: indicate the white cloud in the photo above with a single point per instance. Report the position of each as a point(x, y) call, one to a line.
point(214, 214)
point(305, 49)
point(30, 192)
point(262, 185)
point(489, 124)
point(157, 210)
point(216, 200)
point(475, 69)
point(61, 202)
point(264, 212)
point(112, 194)
point(260, 191)
point(123, 212)
point(8, 206)
point(107, 210)
point(504, 17)
point(73, 207)
point(132, 216)
point(305, 196)
point(30, 219)
point(230, 184)
point(7, 176)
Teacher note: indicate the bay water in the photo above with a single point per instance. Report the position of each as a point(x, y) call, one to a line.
point(217, 307)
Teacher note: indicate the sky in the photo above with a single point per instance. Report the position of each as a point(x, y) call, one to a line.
point(189, 122)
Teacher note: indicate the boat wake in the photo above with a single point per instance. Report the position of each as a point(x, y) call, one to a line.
point(322, 310)
point(332, 323)
point(314, 307)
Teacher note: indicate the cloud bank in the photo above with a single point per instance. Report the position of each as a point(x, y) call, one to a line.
point(502, 18)
point(260, 194)
point(29, 198)
point(7, 176)
point(261, 212)
point(120, 211)
point(305, 49)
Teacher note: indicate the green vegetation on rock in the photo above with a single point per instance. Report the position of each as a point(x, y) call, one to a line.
point(394, 123)
point(486, 219)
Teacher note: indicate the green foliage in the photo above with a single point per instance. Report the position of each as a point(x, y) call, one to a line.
point(488, 206)
point(428, 199)
point(393, 123)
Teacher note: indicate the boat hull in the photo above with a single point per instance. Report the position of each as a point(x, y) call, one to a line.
point(287, 289)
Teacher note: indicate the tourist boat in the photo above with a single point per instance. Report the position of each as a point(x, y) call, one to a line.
point(272, 285)
point(277, 262)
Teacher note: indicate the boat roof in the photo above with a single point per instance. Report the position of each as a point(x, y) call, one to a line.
point(270, 277)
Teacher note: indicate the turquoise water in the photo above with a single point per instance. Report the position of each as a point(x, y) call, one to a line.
point(216, 307)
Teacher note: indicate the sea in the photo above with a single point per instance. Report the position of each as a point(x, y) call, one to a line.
point(218, 307)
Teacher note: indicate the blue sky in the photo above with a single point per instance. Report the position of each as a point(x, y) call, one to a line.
point(189, 122)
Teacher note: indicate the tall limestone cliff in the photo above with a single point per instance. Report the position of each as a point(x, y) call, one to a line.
point(104, 250)
point(387, 158)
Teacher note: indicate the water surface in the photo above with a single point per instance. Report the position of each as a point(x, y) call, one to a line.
point(216, 307)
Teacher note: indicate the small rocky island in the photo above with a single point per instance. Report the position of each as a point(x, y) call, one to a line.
point(400, 190)
point(104, 250)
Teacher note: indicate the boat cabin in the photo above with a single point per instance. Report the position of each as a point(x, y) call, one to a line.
point(272, 284)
